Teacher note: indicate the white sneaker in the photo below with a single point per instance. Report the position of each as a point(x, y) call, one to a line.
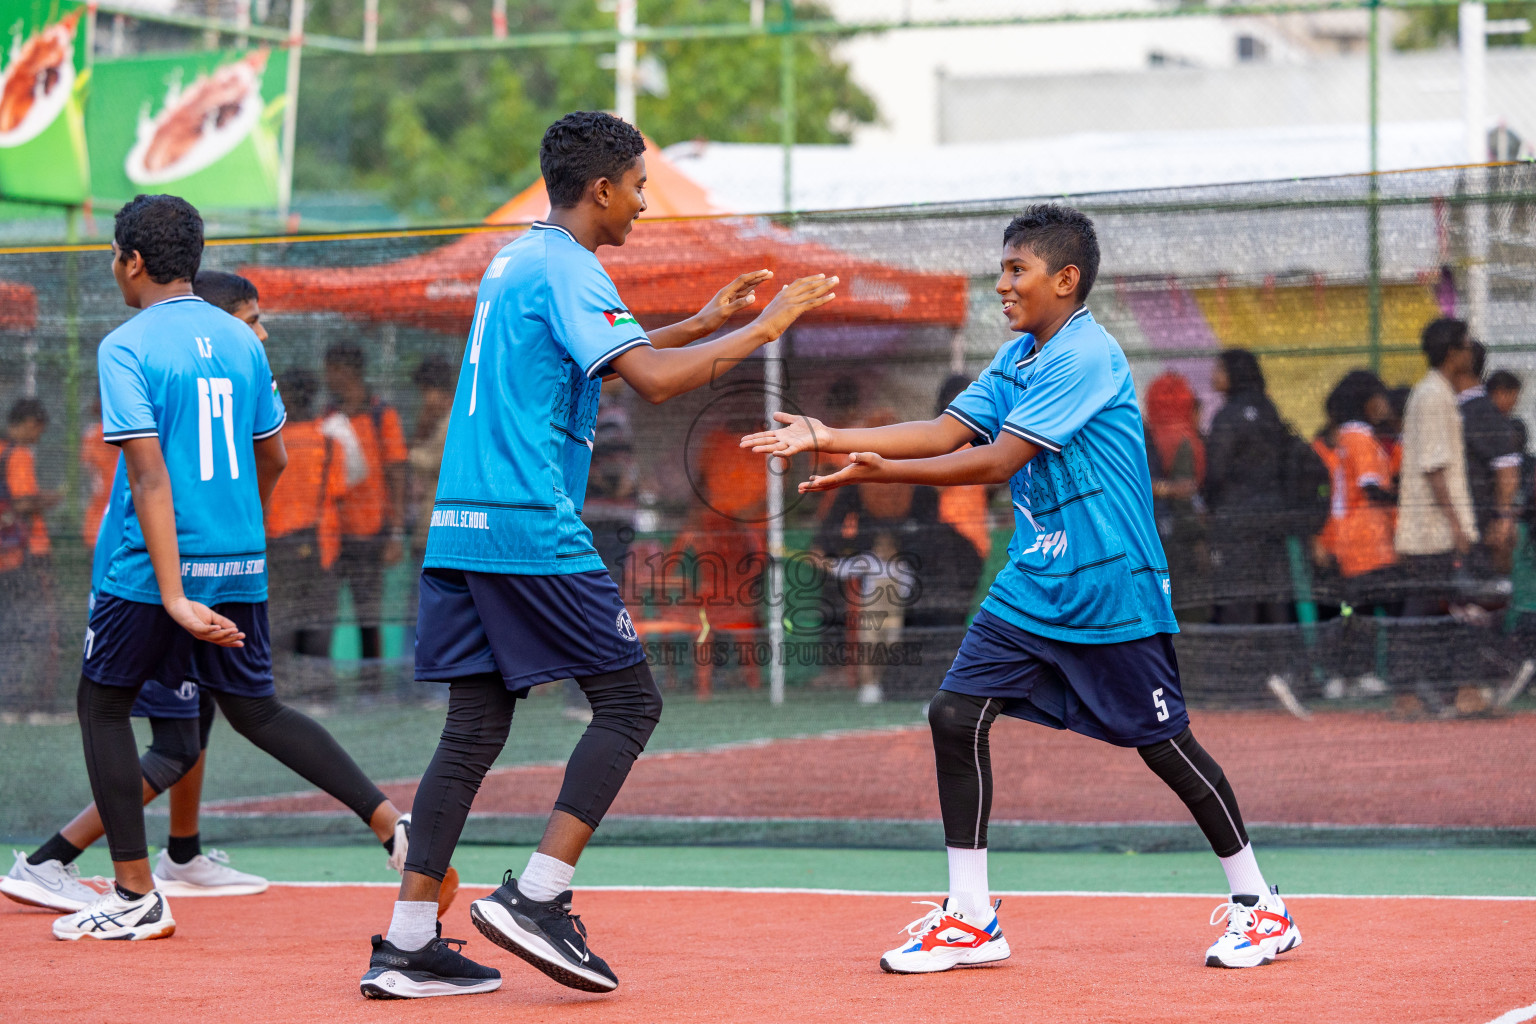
point(207, 874)
point(1281, 688)
point(871, 693)
point(402, 841)
point(51, 885)
point(1255, 935)
point(1370, 685)
point(112, 917)
point(940, 940)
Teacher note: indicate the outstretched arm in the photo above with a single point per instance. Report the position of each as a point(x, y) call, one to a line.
point(986, 464)
point(660, 374)
point(151, 485)
point(728, 301)
point(917, 439)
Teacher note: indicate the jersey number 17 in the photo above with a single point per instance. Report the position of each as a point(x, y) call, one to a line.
point(215, 401)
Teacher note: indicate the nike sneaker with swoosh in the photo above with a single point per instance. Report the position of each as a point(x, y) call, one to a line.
point(113, 917)
point(207, 874)
point(1258, 930)
point(52, 885)
point(940, 940)
point(436, 969)
point(547, 935)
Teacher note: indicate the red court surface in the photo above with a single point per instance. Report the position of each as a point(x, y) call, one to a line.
point(295, 954)
point(1347, 768)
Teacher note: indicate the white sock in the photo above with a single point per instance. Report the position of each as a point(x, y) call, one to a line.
point(968, 893)
point(1243, 875)
point(413, 926)
point(545, 877)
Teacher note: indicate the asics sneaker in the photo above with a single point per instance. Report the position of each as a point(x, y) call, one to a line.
point(940, 940)
point(436, 969)
point(1258, 930)
point(113, 917)
point(547, 935)
point(51, 885)
point(207, 874)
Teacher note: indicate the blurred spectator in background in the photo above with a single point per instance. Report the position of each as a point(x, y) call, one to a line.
point(907, 574)
point(964, 508)
point(1176, 460)
point(303, 534)
point(1436, 527)
point(27, 624)
point(1359, 535)
point(1245, 455)
point(1493, 466)
point(1504, 391)
point(98, 464)
point(372, 510)
point(435, 380)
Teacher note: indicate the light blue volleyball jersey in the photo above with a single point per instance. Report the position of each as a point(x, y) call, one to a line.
point(548, 321)
point(197, 379)
point(1085, 564)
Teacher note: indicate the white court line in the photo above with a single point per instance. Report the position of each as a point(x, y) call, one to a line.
point(1516, 1016)
point(1011, 894)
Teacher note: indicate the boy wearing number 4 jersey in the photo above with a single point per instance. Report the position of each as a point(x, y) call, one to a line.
point(1075, 632)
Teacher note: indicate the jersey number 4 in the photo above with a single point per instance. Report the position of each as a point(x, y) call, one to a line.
point(215, 401)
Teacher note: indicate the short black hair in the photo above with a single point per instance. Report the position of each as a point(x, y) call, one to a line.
point(346, 354)
point(1503, 380)
point(433, 372)
point(1442, 337)
point(167, 231)
point(1347, 402)
point(299, 388)
point(582, 147)
point(1061, 236)
point(227, 291)
point(24, 409)
point(1244, 375)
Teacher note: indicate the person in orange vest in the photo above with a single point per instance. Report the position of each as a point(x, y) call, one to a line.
point(27, 625)
point(371, 511)
point(303, 535)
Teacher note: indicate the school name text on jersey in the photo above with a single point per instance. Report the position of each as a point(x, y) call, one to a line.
point(461, 519)
point(216, 570)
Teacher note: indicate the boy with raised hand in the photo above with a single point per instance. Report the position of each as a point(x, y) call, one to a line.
point(513, 593)
point(187, 393)
point(1076, 631)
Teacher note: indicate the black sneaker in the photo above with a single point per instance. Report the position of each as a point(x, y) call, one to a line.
point(547, 935)
point(436, 969)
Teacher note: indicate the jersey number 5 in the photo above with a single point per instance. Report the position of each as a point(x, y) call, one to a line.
point(215, 401)
point(1160, 704)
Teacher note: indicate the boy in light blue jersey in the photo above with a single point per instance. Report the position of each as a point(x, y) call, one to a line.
point(1076, 631)
point(513, 593)
point(187, 393)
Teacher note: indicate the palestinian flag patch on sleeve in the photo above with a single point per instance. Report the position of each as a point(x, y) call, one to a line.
point(620, 318)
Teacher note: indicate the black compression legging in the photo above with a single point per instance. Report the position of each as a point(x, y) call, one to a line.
point(176, 744)
point(303, 745)
point(963, 755)
point(296, 740)
point(626, 705)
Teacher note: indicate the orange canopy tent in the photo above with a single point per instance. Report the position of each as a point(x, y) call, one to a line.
point(18, 307)
point(667, 269)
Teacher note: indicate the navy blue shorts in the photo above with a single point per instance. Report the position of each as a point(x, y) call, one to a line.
point(1127, 694)
point(156, 700)
point(529, 629)
point(130, 642)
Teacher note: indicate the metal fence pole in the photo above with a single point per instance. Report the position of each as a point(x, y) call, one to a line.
point(787, 102)
point(291, 109)
point(1373, 205)
point(1472, 27)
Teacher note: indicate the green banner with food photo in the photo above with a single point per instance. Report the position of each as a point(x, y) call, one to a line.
point(43, 80)
point(203, 126)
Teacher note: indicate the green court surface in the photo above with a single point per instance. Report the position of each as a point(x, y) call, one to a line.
point(1365, 872)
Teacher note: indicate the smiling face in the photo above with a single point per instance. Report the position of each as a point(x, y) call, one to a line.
point(1034, 297)
point(621, 202)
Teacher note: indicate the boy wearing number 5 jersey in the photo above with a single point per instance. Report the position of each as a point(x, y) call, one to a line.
point(187, 393)
point(1076, 631)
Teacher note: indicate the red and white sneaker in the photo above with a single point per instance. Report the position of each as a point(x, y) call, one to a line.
point(1255, 935)
point(940, 940)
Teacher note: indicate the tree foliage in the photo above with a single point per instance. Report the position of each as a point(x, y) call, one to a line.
point(451, 136)
point(1429, 27)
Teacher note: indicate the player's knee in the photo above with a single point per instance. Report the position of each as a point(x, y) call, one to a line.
point(628, 701)
point(1184, 765)
point(172, 753)
point(251, 716)
point(955, 719)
